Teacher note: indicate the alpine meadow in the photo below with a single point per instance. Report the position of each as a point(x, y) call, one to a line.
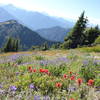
point(49, 50)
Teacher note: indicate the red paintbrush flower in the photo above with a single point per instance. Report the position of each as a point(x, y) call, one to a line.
point(65, 76)
point(46, 70)
point(42, 70)
point(72, 77)
point(34, 70)
point(70, 73)
point(58, 85)
point(79, 81)
point(90, 82)
point(30, 69)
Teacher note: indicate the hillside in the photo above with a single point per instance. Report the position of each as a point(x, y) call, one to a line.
point(27, 37)
point(55, 33)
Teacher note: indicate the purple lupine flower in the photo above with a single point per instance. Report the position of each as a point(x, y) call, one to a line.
point(17, 73)
point(2, 92)
point(85, 62)
point(46, 98)
point(37, 97)
point(95, 62)
point(0, 86)
point(13, 88)
point(31, 86)
point(71, 89)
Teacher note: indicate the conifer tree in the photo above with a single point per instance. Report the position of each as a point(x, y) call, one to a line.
point(12, 45)
point(17, 45)
point(45, 46)
point(76, 35)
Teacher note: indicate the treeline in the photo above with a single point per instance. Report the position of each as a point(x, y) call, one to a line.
point(81, 35)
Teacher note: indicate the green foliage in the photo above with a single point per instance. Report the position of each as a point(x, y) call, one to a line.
point(88, 71)
point(44, 47)
point(90, 35)
point(91, 49)
point(97, 41)
point(56, 46)
point(39, 58)
point(19, 61)
point(12, 45)
point(35, 47)
point(67, 44)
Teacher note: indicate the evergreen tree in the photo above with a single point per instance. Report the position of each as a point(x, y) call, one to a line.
point(17, 45)
point(45, 46)
point(76, 35)
point(12, 45)
point(8, 45)
point(56, 46)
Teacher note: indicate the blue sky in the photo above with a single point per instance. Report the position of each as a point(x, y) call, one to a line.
point(62, 8)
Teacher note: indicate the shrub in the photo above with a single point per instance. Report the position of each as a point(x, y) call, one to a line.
point(97, 41)
point(88, 70)
point(39, 58)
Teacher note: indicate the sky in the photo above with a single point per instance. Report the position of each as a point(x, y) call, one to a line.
point(68, 9)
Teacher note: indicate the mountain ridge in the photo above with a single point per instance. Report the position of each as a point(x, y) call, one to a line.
point(36, 20)
point(27, 37)
point(56, 33)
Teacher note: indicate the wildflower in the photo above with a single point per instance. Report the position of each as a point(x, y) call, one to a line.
point(17, 73)
point(46, 70)
point(46, 98)
point(90, 82)
point(13, 88)
point(70, 73)
point(0, 86)
point(71, 99)
point(71, 89)
point(79, 81)
point(72, 77)
point(49, 73)
point(85, 62)
point(64, 76)
point(30, 69)
point(58, 84)
point(34, 70)
point(31, 86)
point(41, 70)
point(37, 97)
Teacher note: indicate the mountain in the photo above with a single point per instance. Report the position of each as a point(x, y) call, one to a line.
point(27, 37)
point(4, 15)
point(54, 34)
point(36, 20)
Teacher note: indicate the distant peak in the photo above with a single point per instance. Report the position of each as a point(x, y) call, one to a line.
point(9, 22)
point(12, 21)
point(9, 5)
